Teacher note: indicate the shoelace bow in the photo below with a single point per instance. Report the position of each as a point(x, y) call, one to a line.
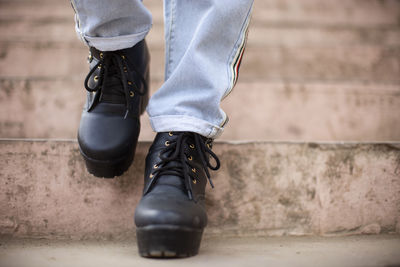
point(175, 153)
point(113, 71)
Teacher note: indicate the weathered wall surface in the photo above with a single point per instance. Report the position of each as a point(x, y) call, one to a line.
point(262, 189)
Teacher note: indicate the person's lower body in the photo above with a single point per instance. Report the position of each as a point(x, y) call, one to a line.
point(204, 43)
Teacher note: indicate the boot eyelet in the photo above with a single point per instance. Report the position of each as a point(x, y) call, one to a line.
point(131, 94)
point(194, 181)
point(125, 69)
point(151, 176)
point(129, 83)
point(190, 158)
point(96, 78)
point(123, 57)
point(167, 143)
point(208, 145)
point(170, 134)
point(155, 166)
point(99, 66)
point(101, 55)
point(191, 146)
point(194, 170)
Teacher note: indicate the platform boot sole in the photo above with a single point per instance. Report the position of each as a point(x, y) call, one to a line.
point(168, 241)
point(108, 168)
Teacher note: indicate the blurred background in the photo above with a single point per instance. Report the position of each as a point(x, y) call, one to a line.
point(313, 70)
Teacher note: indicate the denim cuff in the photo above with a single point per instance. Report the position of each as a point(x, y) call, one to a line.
point(115, 43)
point(178, 123)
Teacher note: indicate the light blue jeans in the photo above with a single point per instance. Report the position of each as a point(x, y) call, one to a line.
point(204, 43)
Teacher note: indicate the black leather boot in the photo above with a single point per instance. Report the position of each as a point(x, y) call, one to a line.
point(170, 217)
point(117, 86)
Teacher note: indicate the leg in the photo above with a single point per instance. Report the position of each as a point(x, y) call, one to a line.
point(204, 45)
point(117, 82)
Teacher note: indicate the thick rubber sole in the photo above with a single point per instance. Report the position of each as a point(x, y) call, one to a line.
point(109, 168)
point(168, 241)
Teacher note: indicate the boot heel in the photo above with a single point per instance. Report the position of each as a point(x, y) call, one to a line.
point(108, 169)
point(168, 241)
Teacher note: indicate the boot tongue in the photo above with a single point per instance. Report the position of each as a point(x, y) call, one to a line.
point(172, 180)
point(112, 88)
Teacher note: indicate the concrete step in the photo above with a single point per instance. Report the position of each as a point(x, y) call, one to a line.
point(262, 189)
point(56, 104)
point(366, 251)
point(60, 30)
point(282, 111)
point(355, 63)
point(351, 13)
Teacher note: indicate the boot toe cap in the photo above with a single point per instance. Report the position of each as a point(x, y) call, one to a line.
point(170, 210)
point(103, 137)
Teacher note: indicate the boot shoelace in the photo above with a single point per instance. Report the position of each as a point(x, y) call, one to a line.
point(114, 71)
point(182, 165)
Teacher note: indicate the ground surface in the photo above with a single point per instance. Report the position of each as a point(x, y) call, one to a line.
point(381, 250)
